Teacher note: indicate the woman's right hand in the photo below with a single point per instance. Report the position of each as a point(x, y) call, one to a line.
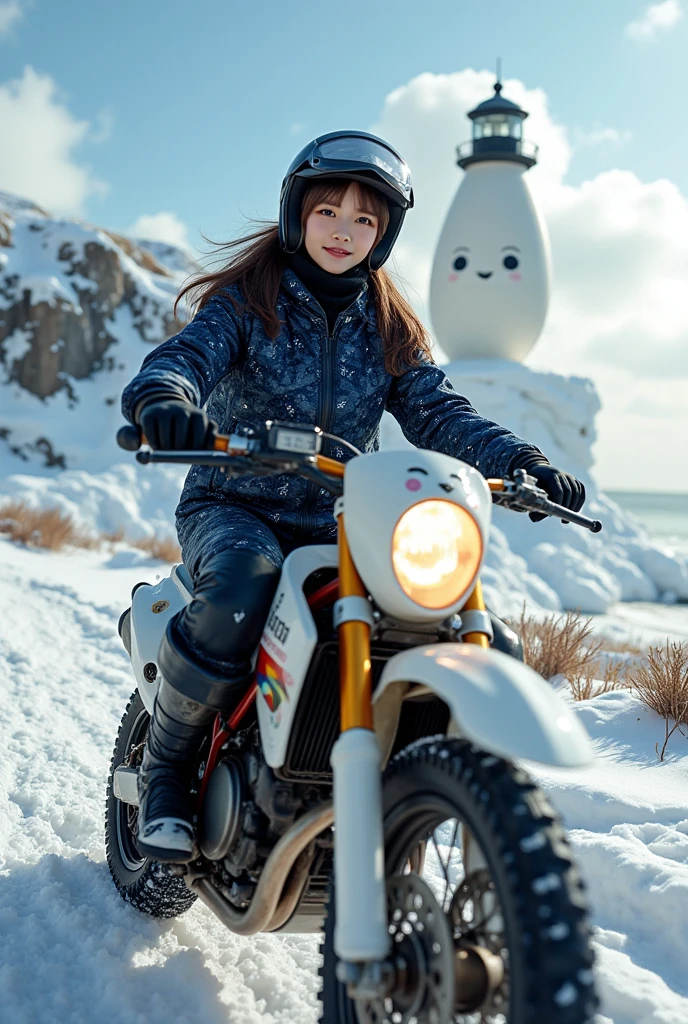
point(174, 424)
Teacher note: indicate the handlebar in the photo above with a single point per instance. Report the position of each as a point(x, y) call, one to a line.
point(295, 448)
point(522, 494)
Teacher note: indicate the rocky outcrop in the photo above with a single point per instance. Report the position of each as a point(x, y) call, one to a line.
point(68, 333)
point(72, 298)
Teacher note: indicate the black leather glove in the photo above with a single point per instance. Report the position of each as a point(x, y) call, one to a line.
point(175, 424)
point(561, 488)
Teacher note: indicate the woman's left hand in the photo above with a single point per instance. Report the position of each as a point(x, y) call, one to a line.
point(561, 488)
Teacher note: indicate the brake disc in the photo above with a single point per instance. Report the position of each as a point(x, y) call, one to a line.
point(422, 990)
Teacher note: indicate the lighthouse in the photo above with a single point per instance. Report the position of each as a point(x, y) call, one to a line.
point(490, 283)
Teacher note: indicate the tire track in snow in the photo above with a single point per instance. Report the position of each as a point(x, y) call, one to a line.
point(71, 949)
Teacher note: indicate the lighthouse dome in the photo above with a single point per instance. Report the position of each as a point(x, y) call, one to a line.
point(497, 104)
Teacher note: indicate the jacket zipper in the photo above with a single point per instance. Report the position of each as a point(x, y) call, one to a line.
point(324, 414)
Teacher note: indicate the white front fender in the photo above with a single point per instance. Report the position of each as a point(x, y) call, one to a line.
point(497, 702)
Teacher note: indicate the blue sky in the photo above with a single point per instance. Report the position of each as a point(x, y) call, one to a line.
point(203, 104)
point(168, 118)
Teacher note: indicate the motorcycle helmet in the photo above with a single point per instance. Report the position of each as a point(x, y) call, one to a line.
point(355, 156)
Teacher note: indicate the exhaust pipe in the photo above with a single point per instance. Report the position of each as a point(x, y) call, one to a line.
point(277, 894)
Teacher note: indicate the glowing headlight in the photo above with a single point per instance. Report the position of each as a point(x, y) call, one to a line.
point(436, 552)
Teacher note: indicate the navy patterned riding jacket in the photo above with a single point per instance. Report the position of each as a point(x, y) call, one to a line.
point(224, 360)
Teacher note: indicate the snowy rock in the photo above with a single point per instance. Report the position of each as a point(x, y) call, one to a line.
point(669, 573)
point(75, 304)
point(579, 582)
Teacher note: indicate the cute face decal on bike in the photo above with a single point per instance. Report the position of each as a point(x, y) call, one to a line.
point(415, 483)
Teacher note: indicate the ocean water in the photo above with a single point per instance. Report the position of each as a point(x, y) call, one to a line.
point(665, 516)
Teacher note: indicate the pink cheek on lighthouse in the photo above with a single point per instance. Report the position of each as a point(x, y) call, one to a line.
point(453, 277)
point(515, 277)
point(413, 485)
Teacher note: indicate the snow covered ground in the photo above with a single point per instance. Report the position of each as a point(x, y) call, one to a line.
point(72, 951)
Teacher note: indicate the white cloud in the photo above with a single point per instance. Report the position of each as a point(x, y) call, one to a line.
point(655, 19)
point(619, 310)
point(39, 136)
point(160, 227)
point(601, 137)
point(104, 128)
point(10, 13)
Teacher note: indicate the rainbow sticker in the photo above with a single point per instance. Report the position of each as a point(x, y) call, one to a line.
point(270, 680)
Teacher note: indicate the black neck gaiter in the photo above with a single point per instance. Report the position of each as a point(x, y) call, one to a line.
point(334, 292)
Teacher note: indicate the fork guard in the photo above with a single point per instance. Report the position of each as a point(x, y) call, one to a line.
point(498, 703)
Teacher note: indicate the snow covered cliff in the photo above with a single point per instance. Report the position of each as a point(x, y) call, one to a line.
point(79, 310)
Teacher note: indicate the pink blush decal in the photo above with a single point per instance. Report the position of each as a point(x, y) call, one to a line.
point(453, 277)
point(515, 277)
point(413, 485)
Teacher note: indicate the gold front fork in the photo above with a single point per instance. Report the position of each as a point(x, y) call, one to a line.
point(354, 647)
point(476, 603)
point(354, 643)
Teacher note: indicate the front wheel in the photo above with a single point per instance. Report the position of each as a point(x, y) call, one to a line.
point(141, 881)
point(478, 833)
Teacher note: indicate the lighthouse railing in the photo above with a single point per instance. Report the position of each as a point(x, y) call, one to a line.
point(501, 146)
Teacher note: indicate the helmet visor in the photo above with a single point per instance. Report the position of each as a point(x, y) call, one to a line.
point(353, 150)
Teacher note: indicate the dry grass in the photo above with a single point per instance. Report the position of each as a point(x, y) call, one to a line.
point(562, 646)
point(53, 530)
point(556, 645)
point(165, 549)
point(42, 527)
point(662, 684)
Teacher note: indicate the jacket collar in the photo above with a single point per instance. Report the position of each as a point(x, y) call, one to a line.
point(363, 306)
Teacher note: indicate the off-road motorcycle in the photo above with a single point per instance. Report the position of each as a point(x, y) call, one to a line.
point(368, 784)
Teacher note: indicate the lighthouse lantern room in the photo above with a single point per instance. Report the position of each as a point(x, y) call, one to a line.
point(497, 133)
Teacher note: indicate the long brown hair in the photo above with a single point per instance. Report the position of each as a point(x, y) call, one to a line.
point(257, 264)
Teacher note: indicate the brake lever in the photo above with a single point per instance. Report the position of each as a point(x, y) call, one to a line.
point(523, 494)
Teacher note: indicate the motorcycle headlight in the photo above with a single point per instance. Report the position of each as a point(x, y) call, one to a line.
point(436, 552)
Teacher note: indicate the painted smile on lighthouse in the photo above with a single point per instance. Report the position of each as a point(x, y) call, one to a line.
point(510, 257)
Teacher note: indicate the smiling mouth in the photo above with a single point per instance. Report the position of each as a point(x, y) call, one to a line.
point(485, 274)
point(337, 252)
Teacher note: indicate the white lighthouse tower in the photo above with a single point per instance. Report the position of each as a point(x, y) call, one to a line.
point(490, 282)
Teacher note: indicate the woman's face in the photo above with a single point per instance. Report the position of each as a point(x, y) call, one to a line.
point(340, 237)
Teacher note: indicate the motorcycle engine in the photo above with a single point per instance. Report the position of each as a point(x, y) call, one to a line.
point(245, 810)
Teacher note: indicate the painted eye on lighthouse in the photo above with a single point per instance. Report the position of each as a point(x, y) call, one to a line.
point(460, 263)
point(510, 262)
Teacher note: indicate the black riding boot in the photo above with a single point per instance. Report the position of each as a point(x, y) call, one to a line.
point(165, 829)
point(232, 596)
